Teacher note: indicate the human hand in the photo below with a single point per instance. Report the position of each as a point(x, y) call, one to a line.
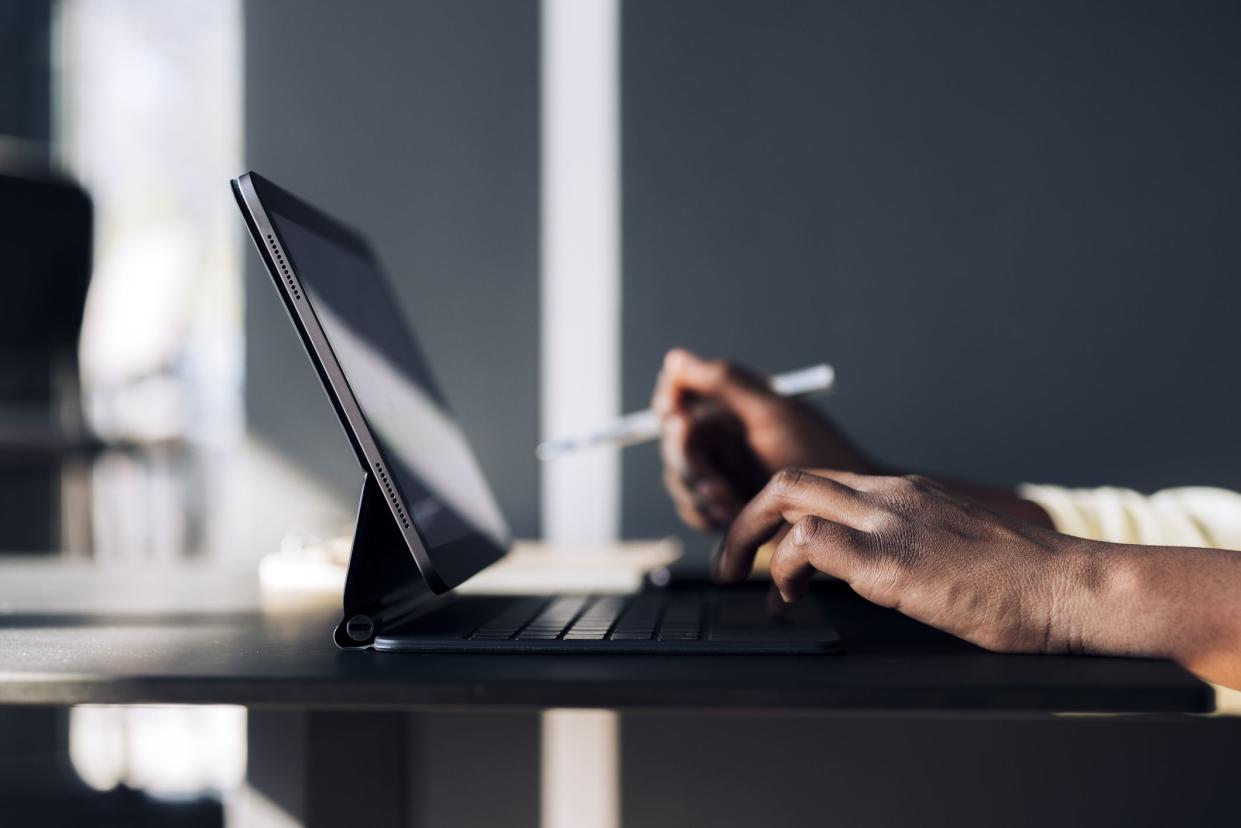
point(909, 544)
point(724, 432)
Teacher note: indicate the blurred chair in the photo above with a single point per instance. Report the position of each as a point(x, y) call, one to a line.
point(45, 259)
point(45, 456)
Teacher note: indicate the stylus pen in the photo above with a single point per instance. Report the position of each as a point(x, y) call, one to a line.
point(643, 426)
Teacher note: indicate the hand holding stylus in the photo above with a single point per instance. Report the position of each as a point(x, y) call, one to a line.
point(725, 430)
point(644, 426)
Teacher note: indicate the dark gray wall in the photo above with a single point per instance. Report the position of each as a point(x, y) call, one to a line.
point(417, 122)
point(25, 65)
point(1013, 227)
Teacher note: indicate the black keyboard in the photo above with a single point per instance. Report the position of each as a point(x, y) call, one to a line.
point(681, 620)
point(597, 618)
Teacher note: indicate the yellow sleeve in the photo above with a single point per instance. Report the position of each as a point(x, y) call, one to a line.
point(1190, 516)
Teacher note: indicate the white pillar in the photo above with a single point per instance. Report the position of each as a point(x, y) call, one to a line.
point(580, 345)
point(580, 314)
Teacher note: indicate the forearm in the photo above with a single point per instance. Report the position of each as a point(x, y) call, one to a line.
point(1163, 602)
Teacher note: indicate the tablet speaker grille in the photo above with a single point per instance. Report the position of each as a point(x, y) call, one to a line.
point(278, 258)
point(382, 475)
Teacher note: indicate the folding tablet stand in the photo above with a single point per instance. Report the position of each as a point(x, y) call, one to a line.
point(383, 587)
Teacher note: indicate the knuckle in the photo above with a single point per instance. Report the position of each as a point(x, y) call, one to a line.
point(724, 369)
point(892, 489)
point(716, 371)
point(809, 531)
point(787, 480)
point(903, 497)
point(876, 522)
point(909, 483)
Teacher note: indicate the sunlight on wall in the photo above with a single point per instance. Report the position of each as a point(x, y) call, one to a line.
point(148, 118)
point(148, 108)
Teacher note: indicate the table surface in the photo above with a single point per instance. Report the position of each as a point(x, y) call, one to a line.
point(79, 634)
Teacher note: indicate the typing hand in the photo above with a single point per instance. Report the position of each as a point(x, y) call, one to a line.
point(909, 544)
point(724, 432)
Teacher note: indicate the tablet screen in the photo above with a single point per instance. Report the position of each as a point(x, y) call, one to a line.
point(435, 470)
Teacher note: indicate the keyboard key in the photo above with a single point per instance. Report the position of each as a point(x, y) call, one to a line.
point(591, 618)
point(682, 620)
point(553, 619)
point(509, 620)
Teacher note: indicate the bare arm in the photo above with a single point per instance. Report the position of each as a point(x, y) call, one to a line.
point(1169, 602)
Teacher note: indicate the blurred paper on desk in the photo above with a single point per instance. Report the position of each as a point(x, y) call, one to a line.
point(531, 567)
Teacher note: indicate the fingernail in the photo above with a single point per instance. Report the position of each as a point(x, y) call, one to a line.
point(717, 560)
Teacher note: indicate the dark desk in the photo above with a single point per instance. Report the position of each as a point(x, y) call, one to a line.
point(239, 654)
point(411, 730)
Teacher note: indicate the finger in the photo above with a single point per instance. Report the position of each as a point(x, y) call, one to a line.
point(791, 495)
point(673, 438)
point(777, 607)
point(702, 495)
point(686, 506)
point(681, 453)
point(708, 503)
point(814, 544)
point(859, 482)
point(717, 499)
point(737, 387)
point(661, 397)
point(789, 569)
point(762, 557)
point(684, 450)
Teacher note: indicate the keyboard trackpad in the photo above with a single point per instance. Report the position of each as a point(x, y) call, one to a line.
point(744, 617)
